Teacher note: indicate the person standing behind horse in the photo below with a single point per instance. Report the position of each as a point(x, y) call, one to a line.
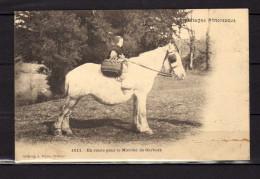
point(117, 54)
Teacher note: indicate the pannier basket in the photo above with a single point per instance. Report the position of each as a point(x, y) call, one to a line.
point(111, 68)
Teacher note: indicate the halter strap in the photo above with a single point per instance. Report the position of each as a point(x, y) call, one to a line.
point(159, 72)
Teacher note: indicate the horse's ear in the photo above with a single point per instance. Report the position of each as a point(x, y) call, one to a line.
point(171, 47)
point(174, 45)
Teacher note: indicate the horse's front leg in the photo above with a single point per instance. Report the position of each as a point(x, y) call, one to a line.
point(139, 114)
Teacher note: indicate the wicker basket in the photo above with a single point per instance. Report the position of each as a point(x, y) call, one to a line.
point(111, 68)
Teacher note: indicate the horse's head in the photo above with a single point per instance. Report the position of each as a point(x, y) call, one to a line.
point(173, 62)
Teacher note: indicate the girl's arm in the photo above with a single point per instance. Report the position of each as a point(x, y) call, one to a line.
point(122, 56)
point(113, 54)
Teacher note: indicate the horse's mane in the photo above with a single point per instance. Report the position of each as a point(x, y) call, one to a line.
point(149, 55)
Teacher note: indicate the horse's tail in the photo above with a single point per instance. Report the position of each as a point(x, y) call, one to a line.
point(66, 86)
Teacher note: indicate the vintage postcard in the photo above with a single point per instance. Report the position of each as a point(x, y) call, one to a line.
point(137, 86)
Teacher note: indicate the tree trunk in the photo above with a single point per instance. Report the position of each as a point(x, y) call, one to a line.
point(191, 60)
point(192, 51)
point(192, 48)
point(179, 43)
point(208, 47)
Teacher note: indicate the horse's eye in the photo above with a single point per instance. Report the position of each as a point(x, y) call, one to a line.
point(172, 58)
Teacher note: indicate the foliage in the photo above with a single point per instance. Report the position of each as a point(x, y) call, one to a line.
point(54, 38)
point(62, 40)
point(199, 61)
point(142, 30)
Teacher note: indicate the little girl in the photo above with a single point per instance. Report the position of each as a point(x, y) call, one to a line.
point(117, 54)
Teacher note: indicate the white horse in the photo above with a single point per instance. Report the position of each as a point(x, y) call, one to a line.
point(88, 79)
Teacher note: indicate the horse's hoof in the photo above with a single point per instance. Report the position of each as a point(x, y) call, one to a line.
point(57, 132)
point(149, 132)
point(67, 132)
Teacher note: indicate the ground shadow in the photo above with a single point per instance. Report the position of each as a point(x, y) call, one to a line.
point(178, 122)
point(117, 123)
point(95, 123)
point(49, 126)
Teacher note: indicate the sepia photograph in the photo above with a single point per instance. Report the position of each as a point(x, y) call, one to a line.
point(136, 86)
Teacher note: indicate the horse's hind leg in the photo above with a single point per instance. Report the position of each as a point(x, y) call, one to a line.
point(57, 124)
point(62, 123)
point(65, 126)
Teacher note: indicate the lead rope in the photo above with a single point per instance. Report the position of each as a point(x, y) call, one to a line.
point(159, 72)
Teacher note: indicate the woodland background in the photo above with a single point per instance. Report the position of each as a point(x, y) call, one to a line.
point(48, 44)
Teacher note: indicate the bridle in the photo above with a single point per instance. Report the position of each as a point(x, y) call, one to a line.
point(159, 72)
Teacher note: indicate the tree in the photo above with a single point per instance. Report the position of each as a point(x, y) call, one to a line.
point(142, 30)
point(165, 20)
point(192, 38)
point(208, 46)
point(54, 38)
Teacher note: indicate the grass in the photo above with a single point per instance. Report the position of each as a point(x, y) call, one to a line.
point(173, 112)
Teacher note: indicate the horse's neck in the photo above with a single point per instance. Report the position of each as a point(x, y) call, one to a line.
point(152, 59)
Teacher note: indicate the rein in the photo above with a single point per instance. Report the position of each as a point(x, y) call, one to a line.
point(159, 72)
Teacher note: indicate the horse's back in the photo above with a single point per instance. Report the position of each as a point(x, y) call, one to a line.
point(84, 69)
